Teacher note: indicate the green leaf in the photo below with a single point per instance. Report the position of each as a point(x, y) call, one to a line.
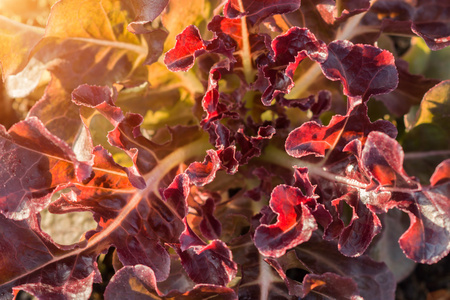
point(435, 106)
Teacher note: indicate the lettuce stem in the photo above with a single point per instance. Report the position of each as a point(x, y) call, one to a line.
point(246, 51)
point(191, 82)
point(280, 157)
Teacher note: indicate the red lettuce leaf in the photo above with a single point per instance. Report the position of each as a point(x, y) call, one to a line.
point(328, 284)
point(139, 281)
point(265, 185)
point(131, 214)
point(259, 280)
point(189, 45)
point(228, 159)
point(228, 30)
point(351, 7)
point(203, 173)
point(209, 264)
point(214, 109)
point(210, 227)
point(381, 184)
point(34, 165)
point(323, 16)
point(390, 16)
point(427, 19)
point(374, 279)
point(302, 182)
point(145, 11)
point(313, 138)
point(427, 207)
point(289, 50)
point(427, 240)
point(386, 248)
point(126, 135)
point(56, 99)
point(363, 70)
point(316, 15)
point(431, 22)
point(251, 146)
point(297, 44)
point(441, 174)
point(364, 224)
point(382, 157)
point(35, 264)
point(331, 284)
point(410, 90)
point(159, 209)
point(106, 195)
point(295, 222)
point(257, 11)
point(132, 282)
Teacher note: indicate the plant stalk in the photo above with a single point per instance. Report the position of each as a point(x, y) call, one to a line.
point(280, 157)
point(246, 51)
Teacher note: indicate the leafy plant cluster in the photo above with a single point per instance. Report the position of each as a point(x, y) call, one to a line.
point(270, 149)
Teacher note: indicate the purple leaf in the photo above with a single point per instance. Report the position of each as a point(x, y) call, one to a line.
point(209, 225)
point(382, 156)
point(316, 15)
point(313, 138)
point(34, 164)
point(209, 264)
point(294, 225)
point(427, 240)
point(55, 99)
point(331, 284)
point(326, 284)
point(289, 50)
point(32, 263)
point(223, 27)
point(374, 279)
point(390, 16)
point(410, 90)
point(261, 282)
point(428, 207)
point(155, 41)
point(124, 283)
point(302, 182)
point(189, 238)
point(441, 174)
point(251, 146)
point(364, 225)
point(363, 70)
point(214, 109)
point(427, 19)
point(203, 173)
point(265, 185)
point(146, 11)
point(431, 22)
point(135, 282)
point(228, 159)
